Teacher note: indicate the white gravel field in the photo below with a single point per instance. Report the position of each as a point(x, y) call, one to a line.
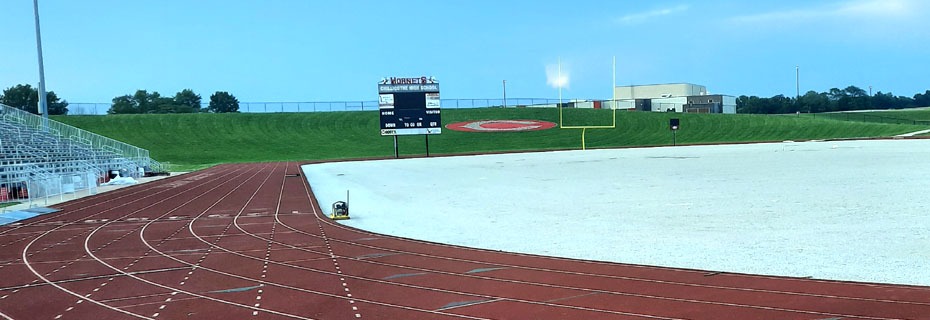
point(851, 210)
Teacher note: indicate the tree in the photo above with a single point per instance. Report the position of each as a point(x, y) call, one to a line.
point(814, 102)
point(884, 101)
point(922, 99)
point(26, 98)
point(123, 105)
point(145, 101)
point(222, 101)
point(187, 101)
point(855, 99)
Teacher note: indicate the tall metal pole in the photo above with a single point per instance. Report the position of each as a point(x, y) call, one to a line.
point(613, 88)
point(43, 106)
point(797, 84)
point(505, 93)
point(560, 82)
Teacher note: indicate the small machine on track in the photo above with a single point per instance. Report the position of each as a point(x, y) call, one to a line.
point(341, 209)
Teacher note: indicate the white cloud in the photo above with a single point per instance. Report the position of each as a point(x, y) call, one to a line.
point(850, 9)
point(640, 17)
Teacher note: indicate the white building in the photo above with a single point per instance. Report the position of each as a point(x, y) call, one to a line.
point(655, 91)
point(675, 97)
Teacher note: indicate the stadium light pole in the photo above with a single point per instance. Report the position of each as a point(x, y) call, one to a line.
point(797, 86)
point(560, 82)
point(505, 93)
point(43, 105)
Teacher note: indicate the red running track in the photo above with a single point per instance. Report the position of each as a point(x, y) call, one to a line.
point(249, 242)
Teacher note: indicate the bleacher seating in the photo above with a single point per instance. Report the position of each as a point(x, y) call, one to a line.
point(41, 158)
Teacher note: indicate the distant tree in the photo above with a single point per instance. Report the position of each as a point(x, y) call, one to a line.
point(222, 101)
point(814, 102)
point(187, 101)
point(742, 104)
point(124, 104)
point(855, 99)
point(836, 94)
point(26, 98)
point(166, 105)
point(922, 99)
point(884, 101)
point(144, 102)
point(781, 104)
point(850, 98)
point(751, 104)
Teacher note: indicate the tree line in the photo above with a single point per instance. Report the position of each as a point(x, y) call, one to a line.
point(851, 98)
point(185, 101)
point(26, 98)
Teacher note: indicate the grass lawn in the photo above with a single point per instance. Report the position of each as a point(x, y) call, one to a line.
point(192, 141)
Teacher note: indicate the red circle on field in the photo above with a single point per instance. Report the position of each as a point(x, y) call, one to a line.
point(501, 125)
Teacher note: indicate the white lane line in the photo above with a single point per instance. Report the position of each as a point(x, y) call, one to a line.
point(345, 285)
point(200, 238)
point(25, 255)
point(280, 285)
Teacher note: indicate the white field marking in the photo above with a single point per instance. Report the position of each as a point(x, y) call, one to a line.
point(146, 303)
point(316, 212)
point(913, 133)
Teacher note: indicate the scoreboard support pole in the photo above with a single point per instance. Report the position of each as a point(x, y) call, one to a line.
point(396, 154)
point(427, 144)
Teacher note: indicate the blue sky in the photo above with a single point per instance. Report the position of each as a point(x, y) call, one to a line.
point(280, 50)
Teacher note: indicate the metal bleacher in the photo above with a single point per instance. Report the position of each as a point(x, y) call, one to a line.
point(44, 158)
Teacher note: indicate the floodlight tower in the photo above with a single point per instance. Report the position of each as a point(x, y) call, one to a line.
point(43, 105)
point(559, 81)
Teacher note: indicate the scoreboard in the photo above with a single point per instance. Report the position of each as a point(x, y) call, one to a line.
point(409, 106)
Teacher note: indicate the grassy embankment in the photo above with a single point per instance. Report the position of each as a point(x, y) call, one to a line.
point(907, 116)
point(193, 141)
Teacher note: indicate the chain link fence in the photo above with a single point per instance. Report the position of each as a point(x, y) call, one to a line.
point(81, 108)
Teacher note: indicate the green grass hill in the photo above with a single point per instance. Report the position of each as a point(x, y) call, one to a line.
point(191, 141)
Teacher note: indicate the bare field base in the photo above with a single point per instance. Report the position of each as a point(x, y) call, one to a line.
point(850, 210)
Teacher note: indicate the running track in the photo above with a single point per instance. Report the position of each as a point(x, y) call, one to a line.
point(249, 242)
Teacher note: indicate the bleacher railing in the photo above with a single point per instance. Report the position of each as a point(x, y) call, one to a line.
point(135, 154)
